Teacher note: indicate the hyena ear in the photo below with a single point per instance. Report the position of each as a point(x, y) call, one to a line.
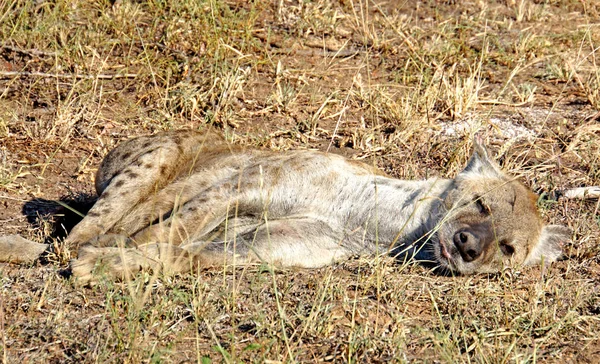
point(480, 162)
point(549, 246)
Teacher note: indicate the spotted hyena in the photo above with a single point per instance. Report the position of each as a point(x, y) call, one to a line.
point(179, 201)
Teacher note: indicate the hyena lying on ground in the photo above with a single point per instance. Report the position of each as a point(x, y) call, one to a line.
point(175, 203)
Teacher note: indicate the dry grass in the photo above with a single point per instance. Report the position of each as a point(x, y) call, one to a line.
point(402, 85)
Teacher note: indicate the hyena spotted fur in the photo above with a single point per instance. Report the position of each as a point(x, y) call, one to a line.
point(180, 201)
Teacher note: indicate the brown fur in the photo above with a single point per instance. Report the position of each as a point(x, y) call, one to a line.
point(181, 200)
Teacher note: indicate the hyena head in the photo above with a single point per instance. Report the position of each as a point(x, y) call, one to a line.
point(491, 221)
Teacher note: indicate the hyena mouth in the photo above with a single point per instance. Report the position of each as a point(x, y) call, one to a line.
point(444, 251)
point(445, 261)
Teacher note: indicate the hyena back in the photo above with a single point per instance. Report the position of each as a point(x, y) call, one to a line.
point(178, 201)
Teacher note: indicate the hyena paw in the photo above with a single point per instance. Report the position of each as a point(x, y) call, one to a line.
point(113, 263)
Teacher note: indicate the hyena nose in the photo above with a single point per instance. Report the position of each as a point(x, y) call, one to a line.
point(468, 245)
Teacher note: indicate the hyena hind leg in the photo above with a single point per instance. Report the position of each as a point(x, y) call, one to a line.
point(129, 185)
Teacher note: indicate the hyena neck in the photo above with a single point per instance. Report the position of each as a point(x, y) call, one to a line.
point(408, 213)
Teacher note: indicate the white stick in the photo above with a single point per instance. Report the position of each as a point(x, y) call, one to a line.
point(582, 193)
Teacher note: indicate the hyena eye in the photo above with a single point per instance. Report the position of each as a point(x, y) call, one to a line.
point(482, 207)
point(506, 248)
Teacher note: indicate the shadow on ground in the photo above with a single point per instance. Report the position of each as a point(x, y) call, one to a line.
point(61, 216)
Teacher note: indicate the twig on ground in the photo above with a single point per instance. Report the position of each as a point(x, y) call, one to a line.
point(593, 117)
point(7, 74)
point(498, 102)
point(31, 52)
point(318, 53)
point(315, 48)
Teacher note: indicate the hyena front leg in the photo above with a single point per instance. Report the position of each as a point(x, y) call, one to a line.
point(130, 185)
point(292, 242)
point(296, 242)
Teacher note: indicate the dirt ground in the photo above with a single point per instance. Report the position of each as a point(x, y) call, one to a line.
point(402, 85)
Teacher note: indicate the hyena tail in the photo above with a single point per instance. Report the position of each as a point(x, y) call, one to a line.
point(15, 249)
